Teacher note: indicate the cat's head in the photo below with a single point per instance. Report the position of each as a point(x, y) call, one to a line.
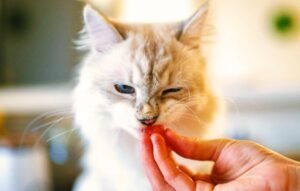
point(144, 74)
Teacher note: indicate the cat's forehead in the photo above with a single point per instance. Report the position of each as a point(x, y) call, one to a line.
point(155, 43)
point(152, 57)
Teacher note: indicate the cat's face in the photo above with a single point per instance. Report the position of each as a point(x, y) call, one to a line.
point(140, 75)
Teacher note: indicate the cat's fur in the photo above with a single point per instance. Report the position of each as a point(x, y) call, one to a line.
point(151, 58)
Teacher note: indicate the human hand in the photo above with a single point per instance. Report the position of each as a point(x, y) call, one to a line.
point(239, 165)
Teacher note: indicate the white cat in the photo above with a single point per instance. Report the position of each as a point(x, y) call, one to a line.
point(134, 76)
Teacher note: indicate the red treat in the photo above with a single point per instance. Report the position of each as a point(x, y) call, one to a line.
point(153, 129)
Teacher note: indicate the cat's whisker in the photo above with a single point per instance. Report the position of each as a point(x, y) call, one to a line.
point(45, 115)
point(201, 122)
point(197, 98)
point(222, 98)
point(61, 134)
point(230, 102)
point(173, 124)
point(198, 120)
point(193, 115)
point(49, 123)
point(43, 134)
point(49, 127)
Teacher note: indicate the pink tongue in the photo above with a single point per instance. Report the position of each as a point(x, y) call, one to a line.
point(150, 121)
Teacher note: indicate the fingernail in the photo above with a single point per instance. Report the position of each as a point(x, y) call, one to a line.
point(169, 133)
point(152, 137)
point(155, 137)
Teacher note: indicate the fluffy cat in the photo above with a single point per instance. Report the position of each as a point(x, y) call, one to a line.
point(137, 75)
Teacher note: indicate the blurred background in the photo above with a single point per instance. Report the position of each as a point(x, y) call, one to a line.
point(252, 48)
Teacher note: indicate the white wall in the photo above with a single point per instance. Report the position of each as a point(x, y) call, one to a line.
point(248, 53)
point(259, 72)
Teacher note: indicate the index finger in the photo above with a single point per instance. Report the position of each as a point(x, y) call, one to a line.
point(152, 171)
point(171, 173)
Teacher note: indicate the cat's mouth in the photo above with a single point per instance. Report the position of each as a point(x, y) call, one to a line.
point(148, 121)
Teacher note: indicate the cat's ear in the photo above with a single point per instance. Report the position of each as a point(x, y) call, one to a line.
point(190, 30)
point(101, 32)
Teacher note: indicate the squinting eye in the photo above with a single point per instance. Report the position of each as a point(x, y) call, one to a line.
point(124, 89)
point(171, 90)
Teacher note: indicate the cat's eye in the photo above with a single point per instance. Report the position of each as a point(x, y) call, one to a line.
point(124, 89)
point(171, 90)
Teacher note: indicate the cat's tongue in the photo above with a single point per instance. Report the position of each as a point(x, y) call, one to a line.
point(153, 129)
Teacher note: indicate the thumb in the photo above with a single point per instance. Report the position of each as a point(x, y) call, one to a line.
point(196, 149)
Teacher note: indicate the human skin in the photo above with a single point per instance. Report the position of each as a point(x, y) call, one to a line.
point(238, 165)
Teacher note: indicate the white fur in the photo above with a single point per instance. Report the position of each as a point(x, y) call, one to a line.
point(109, 126)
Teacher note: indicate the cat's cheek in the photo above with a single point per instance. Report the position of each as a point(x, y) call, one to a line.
point(171, 113)
point(126, 119)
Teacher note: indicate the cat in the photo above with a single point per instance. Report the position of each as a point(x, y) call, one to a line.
point(136, 75)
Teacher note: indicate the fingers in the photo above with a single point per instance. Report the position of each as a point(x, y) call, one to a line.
point(203, 177)
point(195, 177)
point(162, 170)
point(176, 178)
point(204, 186)
point(195, 149)
point(153, 172)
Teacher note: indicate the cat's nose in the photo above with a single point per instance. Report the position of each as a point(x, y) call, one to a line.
point(148, 122)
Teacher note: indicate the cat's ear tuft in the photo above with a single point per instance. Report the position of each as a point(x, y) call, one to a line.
point(190, 29)
point(101, 32)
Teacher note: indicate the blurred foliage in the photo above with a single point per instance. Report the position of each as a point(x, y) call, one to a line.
point(285, 22)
